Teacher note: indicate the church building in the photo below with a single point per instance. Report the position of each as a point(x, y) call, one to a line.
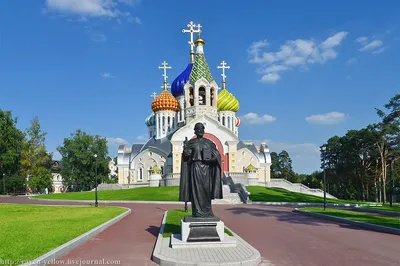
point(195, 96)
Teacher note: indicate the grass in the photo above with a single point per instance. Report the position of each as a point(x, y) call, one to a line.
point(29, 231)
point(258, 193)
point(357, 216)
point(173, 222)
point(142, 193)
point(394, 208)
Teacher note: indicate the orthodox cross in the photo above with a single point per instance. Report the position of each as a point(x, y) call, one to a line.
point(191, 30)
point(223, 66)
point(165, 67)
point(154, 95)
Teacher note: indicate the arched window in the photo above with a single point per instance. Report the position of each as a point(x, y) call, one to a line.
point(202, 96)
point(212, 97)
point(223, 120)
point(140, 174)
point(191, 97)
point(229, 122)
point(163, 124)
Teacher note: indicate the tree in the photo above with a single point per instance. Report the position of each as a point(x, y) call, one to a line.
point(79, 163)
point(285, 166)
point(11, 144)
point(36, 162)
point(387, 136)
point(275, 172)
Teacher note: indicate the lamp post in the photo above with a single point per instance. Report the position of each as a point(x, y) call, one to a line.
point(323, 149)
point(390, 159)
point(96, 204)
point(4, 183)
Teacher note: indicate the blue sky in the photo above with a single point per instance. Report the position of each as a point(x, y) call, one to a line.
point(303, 71)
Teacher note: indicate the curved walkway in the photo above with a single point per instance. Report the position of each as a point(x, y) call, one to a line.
point(281, 236)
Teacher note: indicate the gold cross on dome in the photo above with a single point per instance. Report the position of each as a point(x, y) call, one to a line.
point(153, 95)
point(223, 67)
point(165, 67)
point(192, 31)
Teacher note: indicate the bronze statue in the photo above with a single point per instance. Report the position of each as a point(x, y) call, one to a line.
point(200, 174)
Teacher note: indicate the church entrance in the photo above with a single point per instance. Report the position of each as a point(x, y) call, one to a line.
point(220, 148)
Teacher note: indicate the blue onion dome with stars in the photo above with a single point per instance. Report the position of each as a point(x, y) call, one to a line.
point(177, 86)
point(150, 120)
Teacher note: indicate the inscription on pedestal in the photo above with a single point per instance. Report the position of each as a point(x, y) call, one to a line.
point(203, 232)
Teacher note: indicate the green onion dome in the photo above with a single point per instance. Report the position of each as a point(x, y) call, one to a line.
point(227, 102)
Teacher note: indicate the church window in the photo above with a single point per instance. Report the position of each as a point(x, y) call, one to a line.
point(212, 96)
point(163, 124)
point(140, 174)
point(223, 120)
point(202, 96)
point(150, 153)
point(162, 170)
point(191, 97)
point(229, 121)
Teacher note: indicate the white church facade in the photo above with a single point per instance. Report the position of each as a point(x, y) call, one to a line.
point(194, 97)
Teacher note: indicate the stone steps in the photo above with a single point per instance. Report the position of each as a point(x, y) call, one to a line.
point(229, 198)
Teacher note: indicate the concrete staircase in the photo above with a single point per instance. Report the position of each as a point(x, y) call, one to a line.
point(229, 197)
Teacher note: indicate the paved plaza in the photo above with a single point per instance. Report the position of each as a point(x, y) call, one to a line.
point(281, 236)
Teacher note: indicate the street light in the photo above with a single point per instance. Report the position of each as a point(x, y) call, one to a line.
point(4, 183)
point(390, 159)
point(96, 204)
point(323, 149)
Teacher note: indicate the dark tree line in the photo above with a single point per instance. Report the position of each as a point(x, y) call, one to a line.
point(358, 164)
point(26, 165)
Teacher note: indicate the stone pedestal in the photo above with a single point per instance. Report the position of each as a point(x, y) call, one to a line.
point(202, 229)
point(202, 232)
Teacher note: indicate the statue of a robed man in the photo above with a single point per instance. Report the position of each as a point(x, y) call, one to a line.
point(200, 174)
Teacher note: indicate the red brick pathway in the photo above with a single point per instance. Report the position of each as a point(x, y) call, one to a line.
point(281, 236)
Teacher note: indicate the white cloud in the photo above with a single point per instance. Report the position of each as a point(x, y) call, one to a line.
point(97, 37)
point(305, 156)
point(117, 141)
point(57, 156)
point(351, 61)
point(293, 54)
point(270, 78)
point(91, 8)
point(140, 138)
point(327, 119)
point(254, 119)
point(370, 45)
point(380, 50)
point(107, 75)
point(135, 20)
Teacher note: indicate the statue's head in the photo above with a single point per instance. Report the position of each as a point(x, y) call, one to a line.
point(199, 130)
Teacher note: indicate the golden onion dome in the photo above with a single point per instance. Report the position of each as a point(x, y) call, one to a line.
point(227, 102)
point(165, 101)
point(199, 40)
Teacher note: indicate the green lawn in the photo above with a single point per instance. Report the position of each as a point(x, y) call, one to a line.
point(29, 231)
point(357, 216)
point(142, 193)
point(394, 208)
point(258, 193)
point(173, 222)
